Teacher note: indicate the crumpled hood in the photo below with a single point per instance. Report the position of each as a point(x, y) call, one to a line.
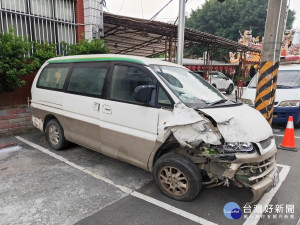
point(190, 128)
point(240, 123)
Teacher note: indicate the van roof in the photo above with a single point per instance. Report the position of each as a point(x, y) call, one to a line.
point(111, 57)
point(289, 66)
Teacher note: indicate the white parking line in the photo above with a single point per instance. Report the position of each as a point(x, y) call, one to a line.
point(129, 191)
point(254, 217)
point(42, 149)
point(280, 135)
point(172, 209)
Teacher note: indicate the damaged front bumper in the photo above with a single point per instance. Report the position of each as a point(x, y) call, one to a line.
point(258, 172)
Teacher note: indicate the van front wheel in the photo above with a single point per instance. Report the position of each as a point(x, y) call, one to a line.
point(177, 177)
point(55, 135)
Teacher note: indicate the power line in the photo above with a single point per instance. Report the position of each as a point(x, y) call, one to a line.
point(142, 9)
point(121, 7)
point(156, 14)
point(103, 2)
point(187, 3)
point(177, 16)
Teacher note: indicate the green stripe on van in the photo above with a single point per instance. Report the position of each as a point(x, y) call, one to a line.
point(95, 59)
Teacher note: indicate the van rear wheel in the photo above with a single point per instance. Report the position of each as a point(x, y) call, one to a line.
point(55, 135)
point(177, 177)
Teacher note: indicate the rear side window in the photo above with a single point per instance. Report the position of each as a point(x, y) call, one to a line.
point(87, 81)
point(53, 78)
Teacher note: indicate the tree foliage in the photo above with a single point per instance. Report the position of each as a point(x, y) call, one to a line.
point(228, 18)
point(43, 52)
point(85, 47)
point(14, 60)
point(19, 56)
point(290, 20)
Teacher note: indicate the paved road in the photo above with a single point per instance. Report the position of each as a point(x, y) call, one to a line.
point(42, 186)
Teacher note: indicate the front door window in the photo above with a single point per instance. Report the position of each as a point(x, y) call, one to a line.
point(124, 80)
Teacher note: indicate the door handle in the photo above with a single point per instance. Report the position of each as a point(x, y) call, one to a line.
point(106, 109)
point(96, 106)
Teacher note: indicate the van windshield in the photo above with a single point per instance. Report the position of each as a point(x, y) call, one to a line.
point(189, 87)
point(286, 79)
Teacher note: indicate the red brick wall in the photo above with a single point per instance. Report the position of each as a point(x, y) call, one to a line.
point(19, 96)
point(15, 120)
point(79, 15)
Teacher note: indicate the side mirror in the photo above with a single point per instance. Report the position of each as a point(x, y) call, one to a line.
point(143, 93)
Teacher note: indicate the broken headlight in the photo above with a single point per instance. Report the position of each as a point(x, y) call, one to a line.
point(238, 147)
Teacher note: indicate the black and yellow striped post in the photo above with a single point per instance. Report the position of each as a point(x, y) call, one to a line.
point(267, 79)
point(266, 87)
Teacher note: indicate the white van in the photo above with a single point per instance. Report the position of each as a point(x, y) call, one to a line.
point(158, 116)
point(287, 96)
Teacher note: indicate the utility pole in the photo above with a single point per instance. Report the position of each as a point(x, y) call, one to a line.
point(267, 80)
point(180, 34)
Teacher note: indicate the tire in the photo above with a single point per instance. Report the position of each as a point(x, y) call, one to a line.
point(229, 89)
point(55, 135)
point(215, 86)
point(177, 177)
point(297, 125)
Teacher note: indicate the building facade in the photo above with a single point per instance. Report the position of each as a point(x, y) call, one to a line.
point(52, 21)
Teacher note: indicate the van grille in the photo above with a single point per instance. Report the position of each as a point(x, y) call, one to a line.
point(251, 173)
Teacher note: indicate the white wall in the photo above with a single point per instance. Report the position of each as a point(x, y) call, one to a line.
point(91, 17)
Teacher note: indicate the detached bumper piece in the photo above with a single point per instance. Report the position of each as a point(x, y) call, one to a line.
point(265, 185)
point(260, 177)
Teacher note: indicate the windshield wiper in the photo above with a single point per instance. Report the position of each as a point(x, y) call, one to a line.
point(218, 102)
point(283, 86)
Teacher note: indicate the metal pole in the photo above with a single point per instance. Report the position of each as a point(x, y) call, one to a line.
point(2, 26)
point(101, 26)
point(171, 48)
point(74, 22)
point(180, 35)
point(267, 80)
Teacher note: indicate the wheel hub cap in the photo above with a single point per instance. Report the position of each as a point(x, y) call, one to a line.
point(173, 181)
point(53, 135)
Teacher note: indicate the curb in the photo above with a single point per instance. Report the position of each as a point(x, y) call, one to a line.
point(8, 145)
